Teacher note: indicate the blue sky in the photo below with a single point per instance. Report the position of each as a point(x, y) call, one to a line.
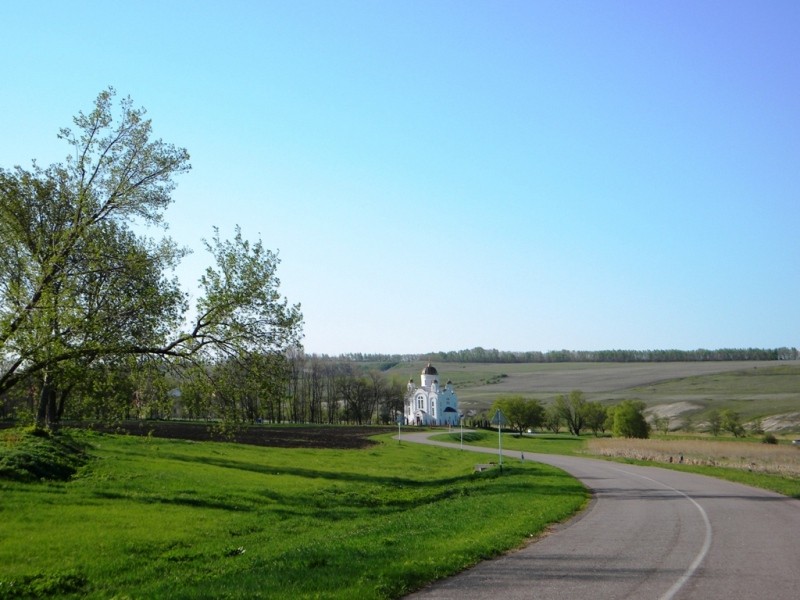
point(439, 175)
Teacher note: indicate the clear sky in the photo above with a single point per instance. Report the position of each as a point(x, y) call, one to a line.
point(520, 175)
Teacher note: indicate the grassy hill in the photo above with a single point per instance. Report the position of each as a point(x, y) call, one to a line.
point(766, 390)
point(148, 517)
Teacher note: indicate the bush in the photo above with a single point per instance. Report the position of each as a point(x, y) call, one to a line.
point(34, 454)
point(627, 420)
point(769, 439)
point(42, 585)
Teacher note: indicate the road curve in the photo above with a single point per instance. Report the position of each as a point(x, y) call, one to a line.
point(649, 533)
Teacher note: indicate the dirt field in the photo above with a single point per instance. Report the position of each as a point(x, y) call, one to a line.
point(605, 377)
point(322, 436)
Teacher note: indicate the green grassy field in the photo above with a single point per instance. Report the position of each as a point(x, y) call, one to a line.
point(543, 443)
point(755, 389)
point(155, 518)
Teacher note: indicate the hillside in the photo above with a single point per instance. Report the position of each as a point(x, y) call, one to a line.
point(755, 389)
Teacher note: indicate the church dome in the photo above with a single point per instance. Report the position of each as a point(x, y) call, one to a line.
point(430, 370)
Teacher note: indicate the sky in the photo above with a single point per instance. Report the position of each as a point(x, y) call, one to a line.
point(439, 175)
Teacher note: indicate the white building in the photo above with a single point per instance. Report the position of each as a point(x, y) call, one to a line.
point(429, 404)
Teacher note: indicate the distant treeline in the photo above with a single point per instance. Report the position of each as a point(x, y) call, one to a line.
point(483, 355)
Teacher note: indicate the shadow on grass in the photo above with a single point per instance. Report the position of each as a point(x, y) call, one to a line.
point(381, 494)
point(336, 505)
point(344, 476)
point(176, 500)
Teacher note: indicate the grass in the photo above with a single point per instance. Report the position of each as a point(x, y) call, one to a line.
point(771, 467)
point(156, 518)
point(544, 443)
point(143, 517)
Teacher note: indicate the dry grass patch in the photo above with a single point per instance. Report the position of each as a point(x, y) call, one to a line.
point(762, 458)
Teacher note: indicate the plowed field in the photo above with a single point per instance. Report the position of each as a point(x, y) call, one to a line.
point(332, 436)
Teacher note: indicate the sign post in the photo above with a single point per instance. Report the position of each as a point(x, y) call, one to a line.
point(499, 419)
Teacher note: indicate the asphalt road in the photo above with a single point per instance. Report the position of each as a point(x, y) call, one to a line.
point(648, 533)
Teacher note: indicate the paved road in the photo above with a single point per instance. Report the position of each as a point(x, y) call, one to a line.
point(649, 533)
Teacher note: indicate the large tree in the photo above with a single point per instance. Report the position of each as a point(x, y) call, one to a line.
point(595, 415)
point(522, 413)
point(79, 284)
point(572, 410)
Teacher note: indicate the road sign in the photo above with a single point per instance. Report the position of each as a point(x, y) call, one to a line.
point(499, 418)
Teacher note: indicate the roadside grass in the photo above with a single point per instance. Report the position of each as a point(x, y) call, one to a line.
point(544, 443)
point(771, 467)
point(156, 518)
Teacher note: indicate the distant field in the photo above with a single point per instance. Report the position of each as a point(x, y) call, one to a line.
point(755, 389)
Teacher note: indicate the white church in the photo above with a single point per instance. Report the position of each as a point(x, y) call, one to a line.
point(430, 404)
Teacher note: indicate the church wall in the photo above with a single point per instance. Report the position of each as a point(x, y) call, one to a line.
point(427, 404)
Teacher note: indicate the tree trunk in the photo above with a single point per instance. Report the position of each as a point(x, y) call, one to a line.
point(47, 415)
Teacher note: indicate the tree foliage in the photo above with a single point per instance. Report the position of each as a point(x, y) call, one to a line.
point(522, 413)
point(492, 355)
point(732, 423)
point(628, 419)
point(572, 411)
point(595, 415)
point(661, 423)
point(714, 419)
point(552, 418)
point(80, 289)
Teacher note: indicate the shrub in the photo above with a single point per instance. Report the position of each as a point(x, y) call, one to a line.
point(769, 439)
point(628, 419)
point(43, 584)
point(33, 454)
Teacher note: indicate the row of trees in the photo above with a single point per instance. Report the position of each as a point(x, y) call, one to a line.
point(483, 355)
point(273, 388)
point(293, 387)
point(574, 412)
point(728, 421)
point(624, 419)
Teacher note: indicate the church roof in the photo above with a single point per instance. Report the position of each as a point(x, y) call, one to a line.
point(430, 370)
